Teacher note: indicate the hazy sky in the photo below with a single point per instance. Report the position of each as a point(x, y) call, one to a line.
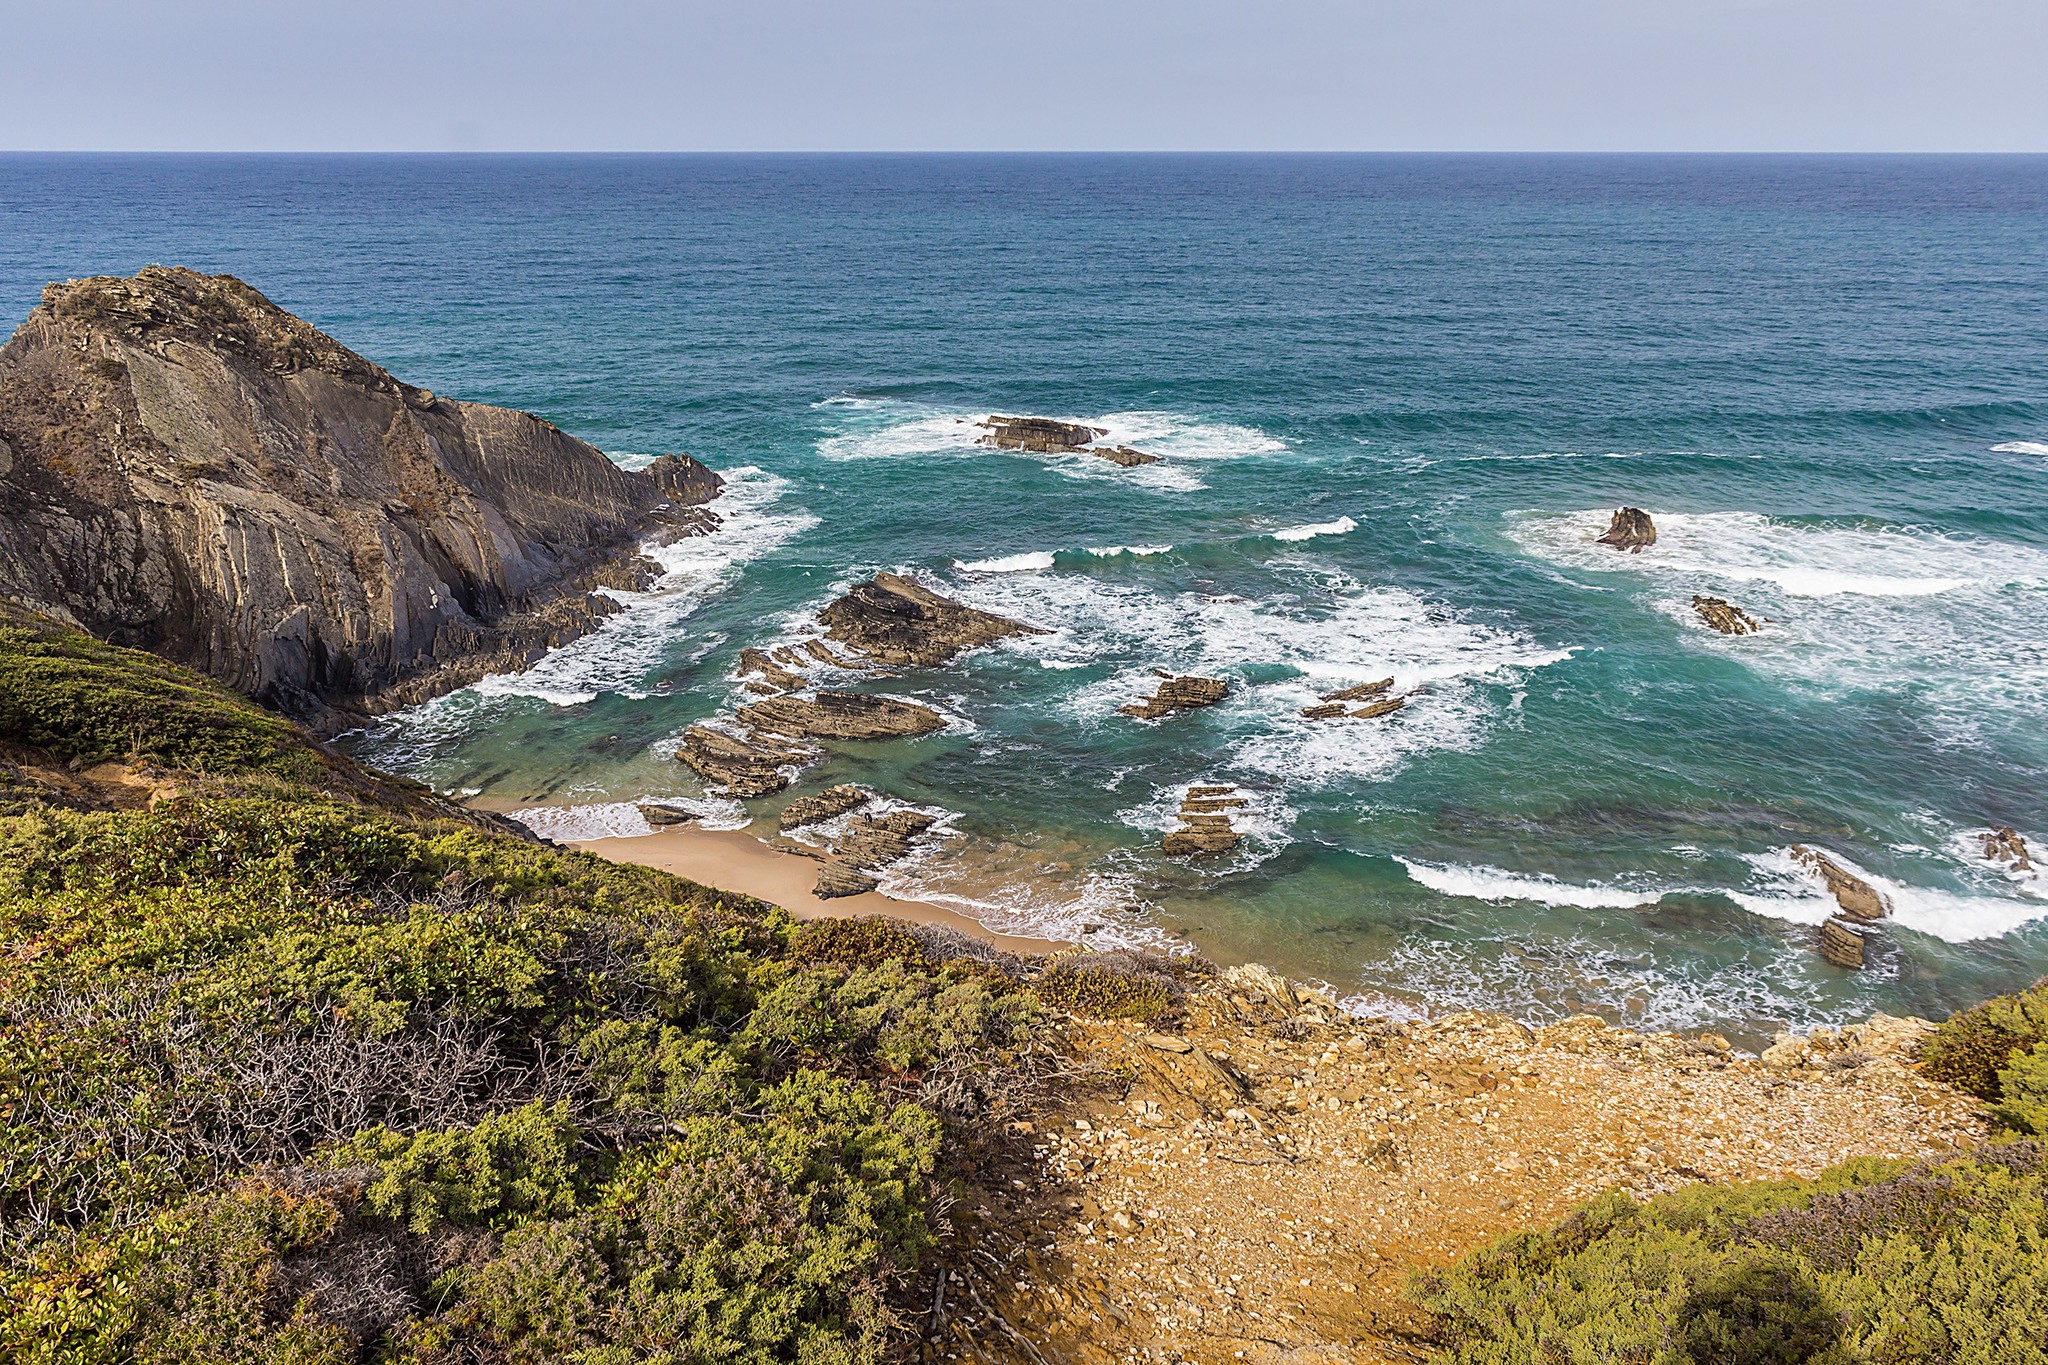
point(1030, 74)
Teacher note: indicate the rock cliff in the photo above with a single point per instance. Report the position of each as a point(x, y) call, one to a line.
point(189, 469)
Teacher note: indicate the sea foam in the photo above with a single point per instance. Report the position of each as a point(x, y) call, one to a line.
point(1341, 526)
point(1477, 882)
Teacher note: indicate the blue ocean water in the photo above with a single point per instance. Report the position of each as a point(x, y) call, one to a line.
point(1396, 398)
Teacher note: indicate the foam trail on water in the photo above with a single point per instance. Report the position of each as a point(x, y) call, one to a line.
point(2022, 448)
point(1141, 551)
point(624, 819)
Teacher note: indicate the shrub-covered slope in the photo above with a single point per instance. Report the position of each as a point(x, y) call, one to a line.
point(295, 1067)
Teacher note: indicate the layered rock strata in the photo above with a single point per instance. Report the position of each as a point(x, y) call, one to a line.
point(753, 766)
point(825, 805)
point(841, 716)
point(1178, 694)
point(1038, 435)
point(1205, 824)
point(1630, 530)
point(194, 471)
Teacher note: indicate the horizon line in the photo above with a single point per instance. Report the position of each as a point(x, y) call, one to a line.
point(1024, 151)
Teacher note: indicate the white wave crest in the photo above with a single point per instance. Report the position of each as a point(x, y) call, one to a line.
point(1475, 882)
point(616, 657)
point(1031, 559)
point(1789, 890)
point(2022, 448)
point(1954, 622)
point(1141, 551)
point(1341, 526)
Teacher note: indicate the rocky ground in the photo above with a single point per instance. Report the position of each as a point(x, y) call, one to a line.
point(1259, 1183)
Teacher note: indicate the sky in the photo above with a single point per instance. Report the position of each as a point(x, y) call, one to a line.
point(913, 75)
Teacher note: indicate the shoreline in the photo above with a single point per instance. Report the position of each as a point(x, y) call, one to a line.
point(734, 860)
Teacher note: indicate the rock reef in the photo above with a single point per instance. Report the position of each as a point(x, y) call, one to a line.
point(843, 716)
point(192, 470)
point(1048, 436)
point(1630, 530)
point(1845, 937)
point(1335, 705)
point(1178, 694)
point(2004, 846)
point(1205, 824)
point(745, 767)
point(893, 620)
point(1724, 616)
point(825, 805)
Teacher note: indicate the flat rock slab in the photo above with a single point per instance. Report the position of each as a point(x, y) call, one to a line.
point(1859, 899)
point(837, 879)
point(747, 769)
point(893, 620)
point(870, 841)
point(842, 715)
point(1041, 435)
point(1178, 694)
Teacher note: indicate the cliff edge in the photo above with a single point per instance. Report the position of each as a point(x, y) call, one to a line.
point(189, 469)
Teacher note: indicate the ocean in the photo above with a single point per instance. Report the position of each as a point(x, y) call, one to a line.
point(1396, 399)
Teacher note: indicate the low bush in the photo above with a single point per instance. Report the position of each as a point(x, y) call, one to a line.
point(1873, 1262)
point(1969, 1049)
point(1114, 985)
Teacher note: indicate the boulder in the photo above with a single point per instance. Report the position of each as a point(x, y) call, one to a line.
point(837, 879)
point(1630, 530)
point(687, 481)
point(1724, 616)
point(2004, 846)
point(824, 805)
point(1041, 435)
point(892, 620)
point(661, 817)
point(746, 769)
point(1178, 694)
point(1859, 899)
point(843, 716)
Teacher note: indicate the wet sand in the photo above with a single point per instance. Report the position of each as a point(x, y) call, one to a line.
point(733, 860)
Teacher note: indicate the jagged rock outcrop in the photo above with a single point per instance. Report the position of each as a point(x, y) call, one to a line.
point(1336, 704)
point(2004, 846)
point(1361, 691)
point(825, 805)
point(1630, 530)
point(891, 620)
point(1205, 825)
point(1040, 435)
point(872, 841)
point(191, 470)
point(1844, 938)
point(1178, 694)
point(836, 879)
point(842, 715)
point(746, 767)
point(1725, 616)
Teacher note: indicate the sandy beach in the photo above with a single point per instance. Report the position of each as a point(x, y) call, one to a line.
point(733, 860)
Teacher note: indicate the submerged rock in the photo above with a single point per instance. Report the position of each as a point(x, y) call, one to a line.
point(1859, 899)
point(780, 678)
point(1041, 435)
point(842, 715)
point(1724, 616)
point(2004, 846)
point(1630, 530)
point(1178, 694)
point(747, 769)
point(1123, 455)
point(824, 805)
point(892, 620)
point(1361, 691)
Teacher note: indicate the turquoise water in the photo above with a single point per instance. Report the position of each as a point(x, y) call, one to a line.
point(1397, 397)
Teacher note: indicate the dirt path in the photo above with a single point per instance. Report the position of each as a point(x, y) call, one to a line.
point(1259, 1185)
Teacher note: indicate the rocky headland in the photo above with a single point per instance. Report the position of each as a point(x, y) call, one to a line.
point(189, 469)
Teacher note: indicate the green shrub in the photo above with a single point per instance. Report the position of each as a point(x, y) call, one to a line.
point(861, 941)
point(2023, 1092)
point(1872, 1262)
point(1969, 1049)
